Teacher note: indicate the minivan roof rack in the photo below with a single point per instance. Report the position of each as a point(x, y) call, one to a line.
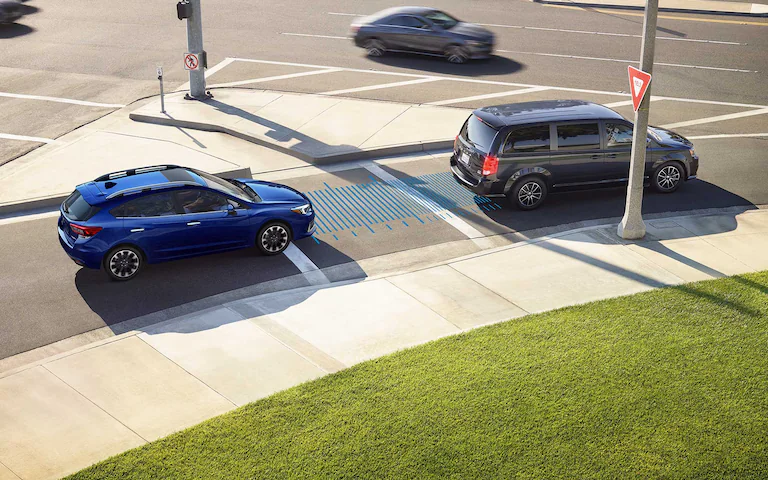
point(134, 171)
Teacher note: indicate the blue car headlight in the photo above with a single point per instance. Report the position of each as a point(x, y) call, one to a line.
point(305, 209)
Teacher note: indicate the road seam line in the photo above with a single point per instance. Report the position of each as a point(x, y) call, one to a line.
point(521, 91)
point(381, 85)
point(483, 286)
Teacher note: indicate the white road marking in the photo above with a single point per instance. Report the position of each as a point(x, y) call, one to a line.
point(489, 95)
point(24, 138)
point(313, 274)
point(623, 103)
point(719, 118)
point(209, 72)
point(493, 82)
point(459, 224)
point(525, 27)
point(61, 100)
point(276, 77)
point(727, 135)
point(381, 85)
point(608, 34)
point(632, 62)
point(315, 36)
point(28, 218)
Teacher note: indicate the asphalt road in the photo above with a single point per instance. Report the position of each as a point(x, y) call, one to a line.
point(106, 57)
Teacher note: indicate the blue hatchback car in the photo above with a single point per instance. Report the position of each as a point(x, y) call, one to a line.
point(122, 220)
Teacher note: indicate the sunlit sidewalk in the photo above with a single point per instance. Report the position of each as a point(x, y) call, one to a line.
point(66, 412)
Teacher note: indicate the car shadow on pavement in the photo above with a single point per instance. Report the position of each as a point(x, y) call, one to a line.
point(170, 289)
point(496, 65)
point(14, 30)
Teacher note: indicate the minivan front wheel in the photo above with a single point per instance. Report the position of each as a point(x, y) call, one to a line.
point(668, 177)
point(123, 263)
point(528, 193)
point(273, 238)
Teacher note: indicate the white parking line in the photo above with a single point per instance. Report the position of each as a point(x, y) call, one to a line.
point(61, 100)
point(381, 85)
point(459, 224)
point(28, 217)
point(315, 36)
point(563, 30)
point(494, 82)
point(719, 118)
point(311, 272)
point(208, 72)
point(276, 77)
point(24, 138)
point(727, 135)
point(489, 95)
point(631, 62)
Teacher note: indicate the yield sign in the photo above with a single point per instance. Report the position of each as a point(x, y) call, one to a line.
point(638, 85)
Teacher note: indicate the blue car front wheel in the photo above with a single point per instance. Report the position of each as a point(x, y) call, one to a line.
point(273, 238)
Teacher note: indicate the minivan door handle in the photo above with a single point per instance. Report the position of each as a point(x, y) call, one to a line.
point(611, 155)
point(192, 224)
point(595, 157)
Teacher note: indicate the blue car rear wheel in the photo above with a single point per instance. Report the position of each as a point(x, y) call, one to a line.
point(123, 263)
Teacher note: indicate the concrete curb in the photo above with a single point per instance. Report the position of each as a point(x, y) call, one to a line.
point(756, 10)
point(365, 154)
point(49, 202)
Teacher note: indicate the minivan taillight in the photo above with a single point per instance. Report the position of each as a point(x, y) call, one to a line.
point(490, 165)
point(84, 231)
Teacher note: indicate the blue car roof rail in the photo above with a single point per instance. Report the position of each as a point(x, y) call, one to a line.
point(134, 171)
point(147, 188)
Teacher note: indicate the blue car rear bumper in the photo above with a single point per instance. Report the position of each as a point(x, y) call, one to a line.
point(80, 253)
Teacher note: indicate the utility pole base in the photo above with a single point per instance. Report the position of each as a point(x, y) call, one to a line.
point(631, 229)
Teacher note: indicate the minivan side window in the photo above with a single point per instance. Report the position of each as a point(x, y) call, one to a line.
point(580, 136)
point(527, 140)
point(618, 135)
point(155, 205)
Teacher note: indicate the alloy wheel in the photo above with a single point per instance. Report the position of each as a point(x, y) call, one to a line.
point(274, 239)
point(124, 263)
point(374, 48)
point(529, 194)
point(668, 177)
point(456, 55)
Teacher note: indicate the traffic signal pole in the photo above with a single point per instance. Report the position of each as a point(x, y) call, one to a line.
point(195, 45)
point(632, 226)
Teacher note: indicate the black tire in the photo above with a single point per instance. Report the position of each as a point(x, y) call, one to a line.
point(123, 263)
point(528, 193)
point(668, 177)
point(273, 238)
point(456, 54)
point(374, 47)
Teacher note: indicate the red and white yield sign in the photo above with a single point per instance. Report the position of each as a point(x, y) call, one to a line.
point(191, 61)
point(638, 85)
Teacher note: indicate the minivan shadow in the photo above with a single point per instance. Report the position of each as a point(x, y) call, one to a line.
point(161, 288)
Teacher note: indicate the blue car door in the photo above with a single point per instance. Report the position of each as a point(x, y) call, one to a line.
point(214, 221)
point(154, 223)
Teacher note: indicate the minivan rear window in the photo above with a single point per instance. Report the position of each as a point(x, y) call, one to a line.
point(478, 133)
point(77, 208)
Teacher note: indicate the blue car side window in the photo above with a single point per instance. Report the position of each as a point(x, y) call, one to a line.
point(201, 201)
point(156, 205)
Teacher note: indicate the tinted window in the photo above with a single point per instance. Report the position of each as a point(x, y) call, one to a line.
point(413, 22)
point(528, 139)
point(222, 185)
point(77, 208)
point(155, 205)
point(582, 136)
point(618, 135)
point(200, 201)
point(478, 133)
point(442, 19)
point(398, 21)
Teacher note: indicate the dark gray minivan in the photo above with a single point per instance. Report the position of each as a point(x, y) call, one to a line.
point(525, 150)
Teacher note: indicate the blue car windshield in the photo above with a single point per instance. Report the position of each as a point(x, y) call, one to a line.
point(225, 187)
point(441, 19)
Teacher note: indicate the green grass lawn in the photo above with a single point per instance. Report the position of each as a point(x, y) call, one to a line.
point(671, 383)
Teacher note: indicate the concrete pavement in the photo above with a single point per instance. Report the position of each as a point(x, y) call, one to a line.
point(65, 412)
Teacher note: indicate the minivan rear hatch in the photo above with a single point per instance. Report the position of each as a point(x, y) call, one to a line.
point(472, 145)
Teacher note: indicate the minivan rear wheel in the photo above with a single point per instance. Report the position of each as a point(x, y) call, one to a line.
point(123, 263)
point(668, 177)
point(528, 193)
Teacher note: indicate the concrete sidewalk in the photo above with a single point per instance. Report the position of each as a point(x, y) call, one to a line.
point(688, 6)
point(68, 411)
point(319, 129)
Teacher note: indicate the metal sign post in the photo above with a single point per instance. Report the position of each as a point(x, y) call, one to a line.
point(195, 47)
point(162, 94)
point(632, 226)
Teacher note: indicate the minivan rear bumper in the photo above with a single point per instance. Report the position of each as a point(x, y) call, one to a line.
point(481, 187)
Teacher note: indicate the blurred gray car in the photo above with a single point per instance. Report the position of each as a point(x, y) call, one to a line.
point(10, 11)
point(422, 30)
